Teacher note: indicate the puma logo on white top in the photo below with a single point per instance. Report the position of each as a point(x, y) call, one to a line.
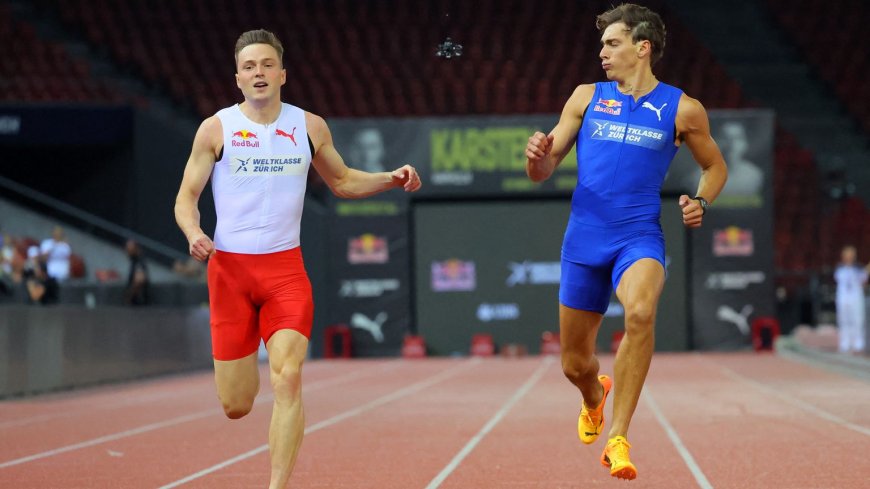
point(653, 108)
point(739, 319)
point(373, 326)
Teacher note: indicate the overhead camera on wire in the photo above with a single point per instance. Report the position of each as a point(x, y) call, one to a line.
point(449, 49)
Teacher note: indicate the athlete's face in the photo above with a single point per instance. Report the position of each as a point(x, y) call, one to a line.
point(259, 72)
point(619, 56)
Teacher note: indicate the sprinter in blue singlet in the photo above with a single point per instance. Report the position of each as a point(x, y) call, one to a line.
point(627, 131)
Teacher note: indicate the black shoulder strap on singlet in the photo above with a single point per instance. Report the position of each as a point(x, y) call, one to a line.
point(220, 155)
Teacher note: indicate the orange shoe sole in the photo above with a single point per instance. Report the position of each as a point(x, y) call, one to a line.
point(626, 471)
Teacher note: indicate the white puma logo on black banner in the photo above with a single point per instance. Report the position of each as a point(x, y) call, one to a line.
point(739, 319)
point(373, 326)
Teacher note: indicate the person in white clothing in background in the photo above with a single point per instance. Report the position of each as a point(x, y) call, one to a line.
point(851, 279)
point(56, 253)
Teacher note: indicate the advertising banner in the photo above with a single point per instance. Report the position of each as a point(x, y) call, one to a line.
point(494, 267)
point(466, 253)
point(458, 156)
point(732, 255)
point(369, 281)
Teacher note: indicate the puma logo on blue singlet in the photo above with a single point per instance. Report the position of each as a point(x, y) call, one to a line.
point(647, 105)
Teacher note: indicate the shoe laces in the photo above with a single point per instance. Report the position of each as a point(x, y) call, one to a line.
point(618, 448)
point(590, 415)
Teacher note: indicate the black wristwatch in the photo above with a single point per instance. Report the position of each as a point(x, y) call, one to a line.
point(703, 202)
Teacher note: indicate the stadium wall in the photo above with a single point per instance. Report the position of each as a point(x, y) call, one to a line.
point(61, 347)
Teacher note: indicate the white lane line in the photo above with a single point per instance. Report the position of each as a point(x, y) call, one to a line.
point(411, 389)
point(696, 471)
point(810, 408)
point(496, 418)
point(268, 397)
point(103, 439)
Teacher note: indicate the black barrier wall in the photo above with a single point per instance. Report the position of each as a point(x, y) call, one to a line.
point(370, 286)
point(494, 267)
point(732, 254)
point(49, 348)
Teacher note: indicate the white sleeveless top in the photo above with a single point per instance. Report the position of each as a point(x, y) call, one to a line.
point(850, 282)
point(259, 182)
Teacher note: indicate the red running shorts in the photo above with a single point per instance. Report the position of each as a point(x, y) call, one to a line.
point(252, 296)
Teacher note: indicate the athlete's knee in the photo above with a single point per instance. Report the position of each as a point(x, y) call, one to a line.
point(577, 367)
point(237, 406)
point(639, 317)
point(287, 381)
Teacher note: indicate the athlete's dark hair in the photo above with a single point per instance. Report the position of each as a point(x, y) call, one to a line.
point(643, 23)
point(259, 36)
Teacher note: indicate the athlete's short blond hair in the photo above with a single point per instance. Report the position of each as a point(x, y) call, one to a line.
point(260, 36)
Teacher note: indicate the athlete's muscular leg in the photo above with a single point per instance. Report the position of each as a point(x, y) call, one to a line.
point(577, 332)
point(238, 382)
point(287, 350)
point(639, 290)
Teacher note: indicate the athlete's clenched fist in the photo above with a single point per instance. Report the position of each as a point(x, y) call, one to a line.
point(539, 146)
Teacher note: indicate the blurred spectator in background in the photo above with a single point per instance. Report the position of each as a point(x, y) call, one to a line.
point(14, 281)
point(10, 279)
point(34, 258)
point(41, 288)
point(56, 254)
point(7, 251)
point(850, 278)
point(136, 293)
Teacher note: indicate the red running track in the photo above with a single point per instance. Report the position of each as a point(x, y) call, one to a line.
point(739, 420)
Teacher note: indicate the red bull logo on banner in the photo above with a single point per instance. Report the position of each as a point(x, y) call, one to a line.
point(247, 139)
point(453, 275)
point(733, 241)
point(368, 248)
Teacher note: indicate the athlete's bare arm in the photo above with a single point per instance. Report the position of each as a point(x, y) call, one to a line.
point(544, 153)
point(347, 182)
point(206, 145)
point(693, 128)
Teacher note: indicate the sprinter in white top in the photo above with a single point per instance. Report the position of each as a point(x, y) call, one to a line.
point(851, 279)
point(257, 154)
point(259, 183)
